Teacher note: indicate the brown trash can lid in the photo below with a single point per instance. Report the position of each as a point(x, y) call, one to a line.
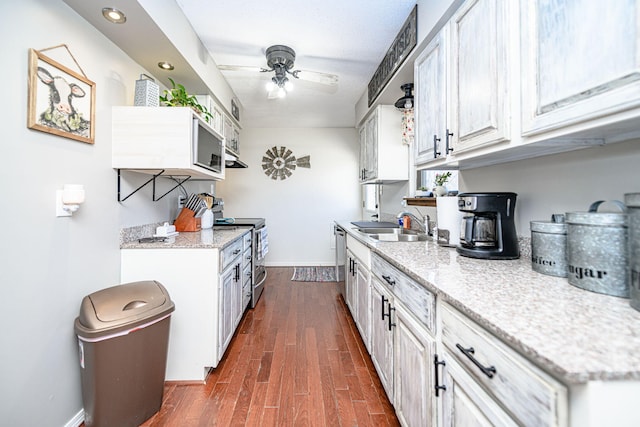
point(121, 307)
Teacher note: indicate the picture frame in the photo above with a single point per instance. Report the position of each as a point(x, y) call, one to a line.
point(61, 101)
point(235, 111)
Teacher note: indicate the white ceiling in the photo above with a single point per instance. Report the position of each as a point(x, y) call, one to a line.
point(348, 38)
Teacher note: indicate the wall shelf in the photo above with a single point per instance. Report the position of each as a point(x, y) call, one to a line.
point(421, 201)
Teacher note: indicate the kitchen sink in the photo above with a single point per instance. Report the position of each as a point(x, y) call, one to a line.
point(393, 234)
point(402, 237)
point(396, 230)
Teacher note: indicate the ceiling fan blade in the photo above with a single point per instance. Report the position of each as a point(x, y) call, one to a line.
point(241, 68)
point(316, 77)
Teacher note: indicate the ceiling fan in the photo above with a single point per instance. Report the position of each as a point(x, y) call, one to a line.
point(280, 59)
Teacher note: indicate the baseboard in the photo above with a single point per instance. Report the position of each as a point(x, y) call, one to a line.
point(300, 264)
point(76, 420)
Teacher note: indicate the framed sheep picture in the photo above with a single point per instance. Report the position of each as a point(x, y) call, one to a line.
point(61, 101)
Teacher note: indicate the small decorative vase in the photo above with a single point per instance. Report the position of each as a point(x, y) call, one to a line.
point(440, 190)
point(207, 219)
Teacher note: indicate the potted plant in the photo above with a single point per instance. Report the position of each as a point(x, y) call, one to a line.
point(440, 181)
point(179, 97)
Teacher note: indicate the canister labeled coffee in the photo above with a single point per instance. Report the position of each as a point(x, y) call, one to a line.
point(597, 254)
point(549, 246)
point(632, 200)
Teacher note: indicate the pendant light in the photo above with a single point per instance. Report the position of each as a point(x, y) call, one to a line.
point(406, 102)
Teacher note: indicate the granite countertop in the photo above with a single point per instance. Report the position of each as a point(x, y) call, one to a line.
point(215, 238)
point(573, 334)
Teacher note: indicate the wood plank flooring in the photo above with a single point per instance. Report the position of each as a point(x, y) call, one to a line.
point(295, 360)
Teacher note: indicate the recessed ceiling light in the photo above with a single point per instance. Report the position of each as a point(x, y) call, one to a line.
point(113, 15)
point(166, 65)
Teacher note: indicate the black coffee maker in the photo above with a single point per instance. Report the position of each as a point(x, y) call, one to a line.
point(488, 230)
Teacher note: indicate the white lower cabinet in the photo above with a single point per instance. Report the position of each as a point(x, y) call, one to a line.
point(350, 284)
point(207, 300)
point(464, 403)
point(414, 349)
point(475, 360)
point(402, 344)
point(382, 334)
point(230, 294)
point(359, 296)
point(363, 315)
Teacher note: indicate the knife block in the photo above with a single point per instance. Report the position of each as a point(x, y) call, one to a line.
point(187, 221)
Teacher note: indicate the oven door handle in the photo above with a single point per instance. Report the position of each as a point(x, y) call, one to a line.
point(262, 281)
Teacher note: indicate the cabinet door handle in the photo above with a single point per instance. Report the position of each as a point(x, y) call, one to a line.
point(438, 387)
point(391, 324)
point(436, 153)
point(355, 265)
point(447, 149)
point(389, 280)
point(490, 371)
point(384, 301)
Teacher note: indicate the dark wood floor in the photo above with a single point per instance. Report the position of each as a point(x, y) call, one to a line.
point(296, 360)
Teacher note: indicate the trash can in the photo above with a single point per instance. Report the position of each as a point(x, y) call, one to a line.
point(123, 337)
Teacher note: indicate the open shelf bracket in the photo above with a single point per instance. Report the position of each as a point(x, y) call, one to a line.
point(185, 178)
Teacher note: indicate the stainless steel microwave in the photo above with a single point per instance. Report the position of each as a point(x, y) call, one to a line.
point(208, 148)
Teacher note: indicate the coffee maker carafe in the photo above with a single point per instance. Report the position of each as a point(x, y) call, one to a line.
point(488, 230)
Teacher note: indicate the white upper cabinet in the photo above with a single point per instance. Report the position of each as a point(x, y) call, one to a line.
point(383, 156)
point(231, 136)
point(431, 99)
point(580, 62)
point(479, 74)
point(462, 83)
point(150, 139)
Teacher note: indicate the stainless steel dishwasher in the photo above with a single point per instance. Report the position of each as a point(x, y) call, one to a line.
point(341, 248)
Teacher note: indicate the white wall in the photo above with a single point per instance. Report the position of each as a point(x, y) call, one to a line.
point(300, 209)
point(561, 183)
point(48, 264)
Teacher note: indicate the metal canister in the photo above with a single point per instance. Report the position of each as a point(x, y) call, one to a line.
point(632, 200)
point(147, 92)
point(549, 246)
point(597, 253)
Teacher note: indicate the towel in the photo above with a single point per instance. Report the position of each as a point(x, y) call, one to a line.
point(262, 242)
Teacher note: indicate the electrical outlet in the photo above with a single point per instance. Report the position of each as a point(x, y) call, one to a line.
point(181, 200)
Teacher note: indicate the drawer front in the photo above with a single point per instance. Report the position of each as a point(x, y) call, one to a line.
point(246, 258)
point(246, 241)
point(229, 253)
point(360, 250)
point(532, 396)
point(419, 300)
point(246, 275)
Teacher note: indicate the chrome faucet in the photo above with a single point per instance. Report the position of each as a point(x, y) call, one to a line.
point(422, 224)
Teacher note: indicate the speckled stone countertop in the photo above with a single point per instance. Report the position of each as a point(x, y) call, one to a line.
point(207, 239)
point(573, 334)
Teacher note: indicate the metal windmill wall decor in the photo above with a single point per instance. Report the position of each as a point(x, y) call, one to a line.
point(279, 162)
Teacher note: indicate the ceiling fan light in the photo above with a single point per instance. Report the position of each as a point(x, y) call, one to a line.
point(288, 86)
point(281, 92)
point(270, 86)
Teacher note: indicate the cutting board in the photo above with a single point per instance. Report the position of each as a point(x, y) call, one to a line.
point(374, 224)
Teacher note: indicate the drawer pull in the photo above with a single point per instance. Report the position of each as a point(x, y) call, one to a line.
point(237, 251)
point(490, 371)
point(438, 387)
point(391, 324)
point(388, 280)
